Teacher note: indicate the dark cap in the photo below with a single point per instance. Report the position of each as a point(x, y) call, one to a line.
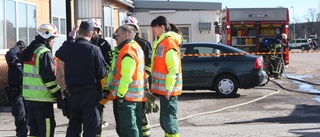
point(85, 25)
point(21, 44)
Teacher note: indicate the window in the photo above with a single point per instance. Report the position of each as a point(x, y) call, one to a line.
point(200, 52)
point(11, 25)
point(145, 33)
point(2, 32)
point(32, 22)
point(22, 24)
point(17, 22)
point(108, 22)
point(185, 32)
point(122, 15)
point(60, 24)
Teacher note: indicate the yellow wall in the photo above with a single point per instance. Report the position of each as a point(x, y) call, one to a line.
point(43, 10)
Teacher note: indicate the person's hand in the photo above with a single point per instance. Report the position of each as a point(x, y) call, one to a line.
point(168, 94)
point(73, 32)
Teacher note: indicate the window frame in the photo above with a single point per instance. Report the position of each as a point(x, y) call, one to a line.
point(6, 47)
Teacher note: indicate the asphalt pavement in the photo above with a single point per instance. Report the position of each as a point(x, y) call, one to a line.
point(223, 122)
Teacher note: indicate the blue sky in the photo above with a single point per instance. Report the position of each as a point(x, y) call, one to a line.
point(299, 10)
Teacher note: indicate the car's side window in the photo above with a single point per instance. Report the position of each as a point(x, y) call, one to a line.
point(182, 51)
point(208, 52)
point(189, 53)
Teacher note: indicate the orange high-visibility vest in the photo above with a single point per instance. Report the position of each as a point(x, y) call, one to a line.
point(160, 71)
point(136, 91)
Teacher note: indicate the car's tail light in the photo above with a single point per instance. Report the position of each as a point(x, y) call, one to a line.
point(258, 64)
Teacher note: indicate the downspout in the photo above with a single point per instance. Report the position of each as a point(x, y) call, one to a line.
point(68, 16)
point(50, 12)
point(76, 12)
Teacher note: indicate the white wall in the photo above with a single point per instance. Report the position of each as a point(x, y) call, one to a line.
point(191, 18)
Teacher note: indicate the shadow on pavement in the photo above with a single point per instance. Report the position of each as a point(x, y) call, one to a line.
point(302, 114)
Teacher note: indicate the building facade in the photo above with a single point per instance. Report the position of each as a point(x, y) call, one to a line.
point(19, 19)
point(194, 19)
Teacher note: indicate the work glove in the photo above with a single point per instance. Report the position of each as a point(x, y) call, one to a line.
point(150, 104)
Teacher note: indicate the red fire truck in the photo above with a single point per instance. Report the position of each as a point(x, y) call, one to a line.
point(248, 28)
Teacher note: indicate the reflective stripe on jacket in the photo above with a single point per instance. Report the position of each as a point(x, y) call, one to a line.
point(160, 70)
point(33, 88)
point(275, 51)
point(136, 91)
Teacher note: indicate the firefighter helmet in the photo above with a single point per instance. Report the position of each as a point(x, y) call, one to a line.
point(131, 21)
point(96, 23)
point(47, 30)
point(284, 36)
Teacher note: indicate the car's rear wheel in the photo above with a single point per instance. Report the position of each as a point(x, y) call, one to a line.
point(303, 48)
point(226, 86)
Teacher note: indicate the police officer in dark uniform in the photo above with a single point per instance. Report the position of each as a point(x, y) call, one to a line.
point(105, 48)
point(97, 40)
point(14, 89)
point(84, 68)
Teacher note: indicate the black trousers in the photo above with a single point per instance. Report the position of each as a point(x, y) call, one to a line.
point(18, 111)
point(99, 129)
point(83, 113)
point(41, 119)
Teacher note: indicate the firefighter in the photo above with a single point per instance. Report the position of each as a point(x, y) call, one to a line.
point(166, 73)
point(105, 49)
point(84, 68)
point(97, 40)
point(128, 81)
point(276, 56)
point(146, 47)
point(14, 88)
point(39, 87)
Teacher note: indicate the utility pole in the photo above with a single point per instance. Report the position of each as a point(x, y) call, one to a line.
point(294, 23)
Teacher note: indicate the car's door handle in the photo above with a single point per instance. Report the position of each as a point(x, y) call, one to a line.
point(216, 64)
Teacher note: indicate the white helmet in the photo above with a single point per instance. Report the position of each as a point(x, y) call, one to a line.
point(95, 22)
point(47, 30)
point(131, 21)
point(284, 36)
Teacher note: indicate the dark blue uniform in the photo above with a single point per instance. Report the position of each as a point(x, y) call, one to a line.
point(14, 91)
point(105, 48)
point(84, 67)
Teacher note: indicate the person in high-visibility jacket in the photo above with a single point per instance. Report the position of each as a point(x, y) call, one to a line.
point(128, 81)
point(39, 87)
point(166, 72)
point(147, 50)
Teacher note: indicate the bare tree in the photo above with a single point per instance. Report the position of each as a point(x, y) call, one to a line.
point(311, 15)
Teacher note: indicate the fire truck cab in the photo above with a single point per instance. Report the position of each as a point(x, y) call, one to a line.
point(247, 28)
